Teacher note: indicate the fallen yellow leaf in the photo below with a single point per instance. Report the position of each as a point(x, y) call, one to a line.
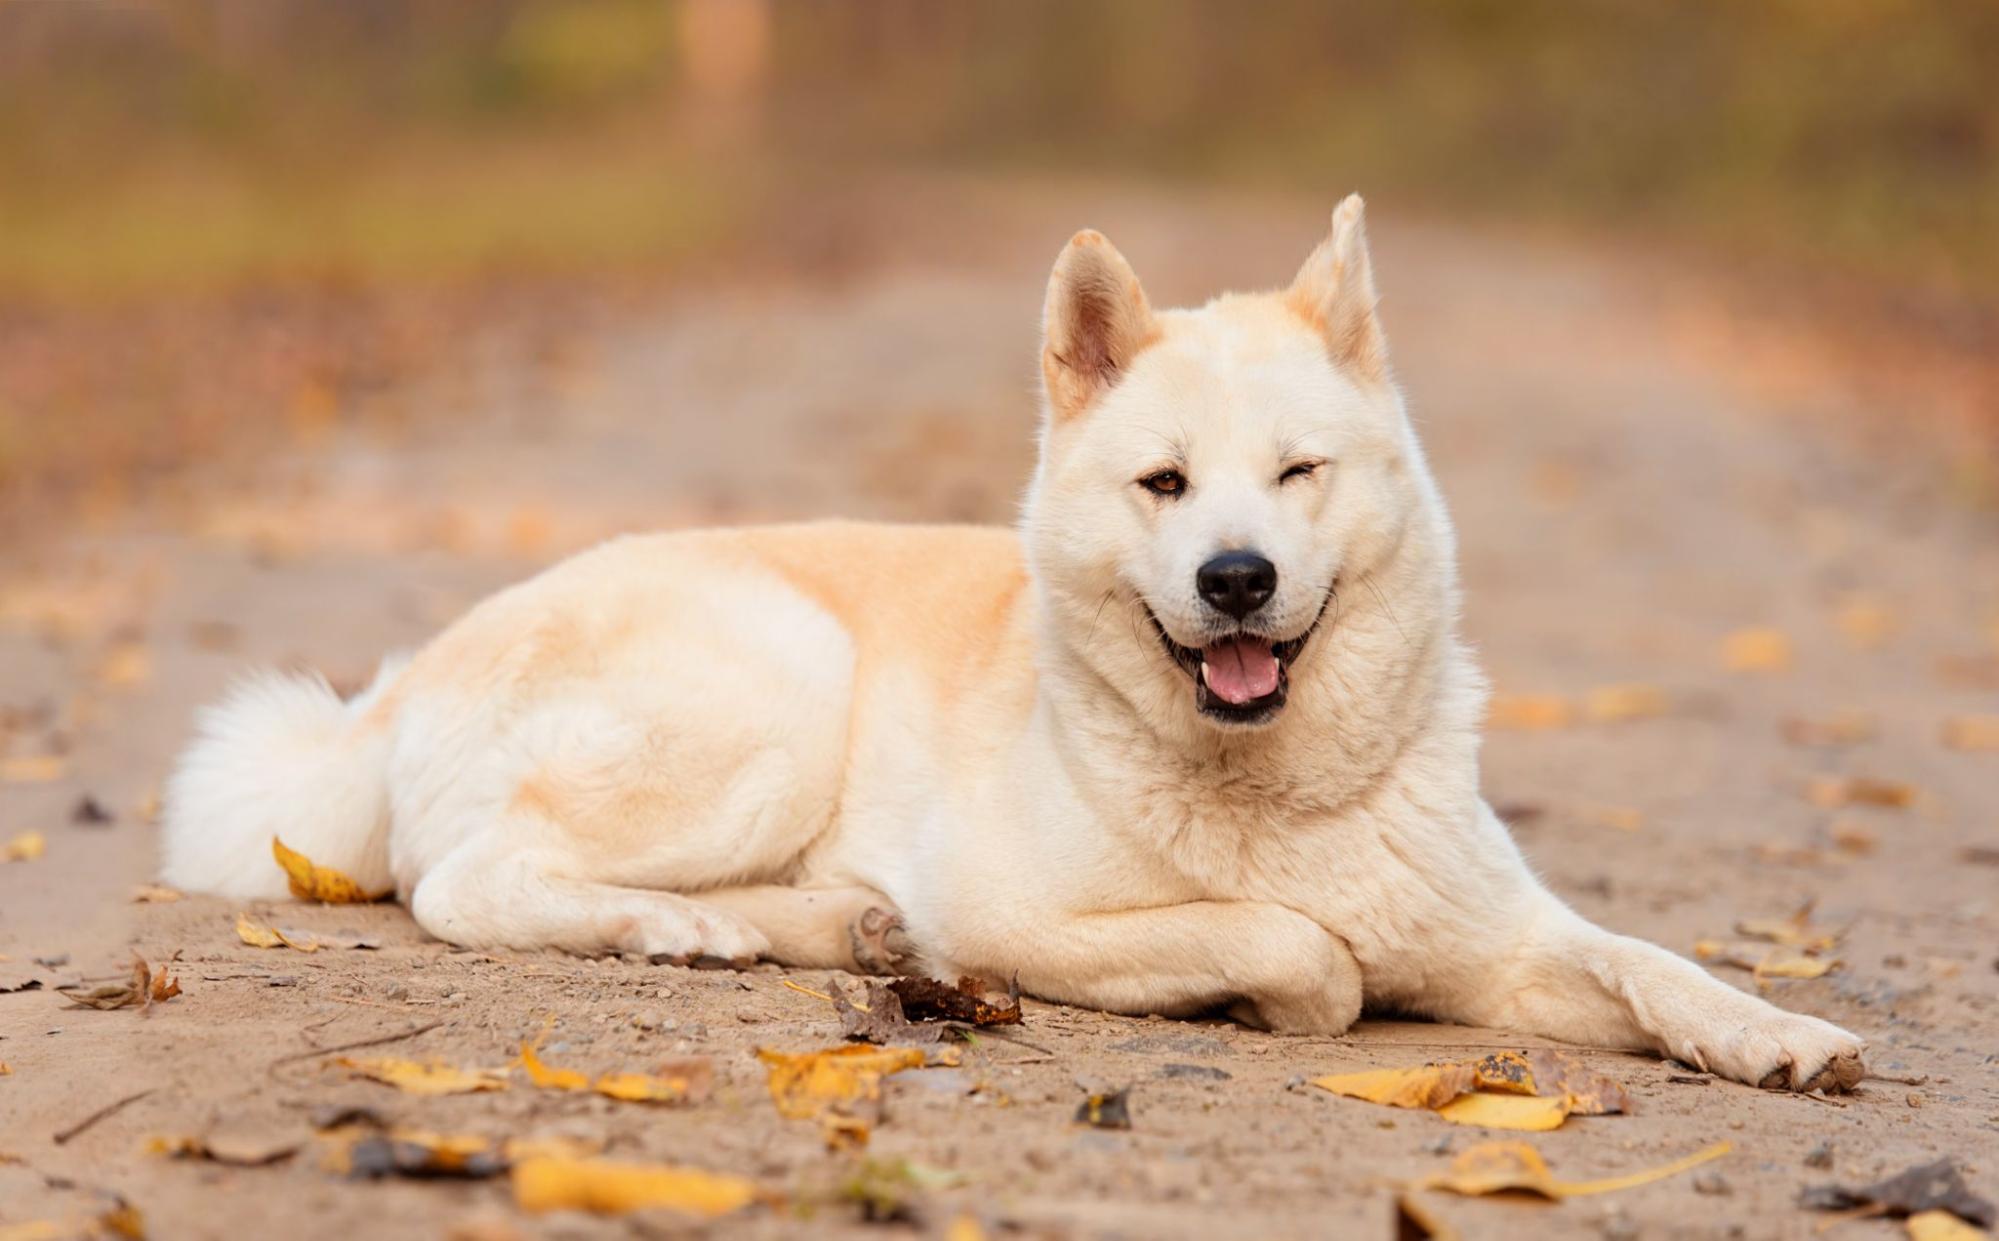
point(257, 935)
point(25, 847)
point(1529, 711)
point(1544, 1071)
point(1941, 1226)
point(124, 665)
point(608, 1188)
point(1972, 732)
point(1795, 931)
point(319, 883)
point(829, 1086)
point(1832, 792)
point(1507, 1111)
point(6, 1070)
point(432, 1078)
point(1867, 623)
point(629, 1087)
point(32, 768)
point(1786, 963)
point(1429, 1087)
point(549, 1078)
point(1502, 1167)
point(1615, 703)
point(1760, 649)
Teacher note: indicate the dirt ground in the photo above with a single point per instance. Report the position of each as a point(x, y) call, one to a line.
point(1627, 499)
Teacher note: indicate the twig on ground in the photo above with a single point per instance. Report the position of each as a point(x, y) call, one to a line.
point(102, 1112)
point(377, 1041)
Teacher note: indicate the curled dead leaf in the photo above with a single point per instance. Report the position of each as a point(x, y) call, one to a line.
point(1531, 1091)
point(972, 1001)
point(607, 1188)
point(310, 882)
point(1934, 1186)
point(1515, 1167)
point(1794, 931)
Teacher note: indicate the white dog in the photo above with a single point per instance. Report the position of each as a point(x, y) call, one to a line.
point(1201, 733)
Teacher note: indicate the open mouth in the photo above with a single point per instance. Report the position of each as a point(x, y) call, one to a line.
point(1242, 678)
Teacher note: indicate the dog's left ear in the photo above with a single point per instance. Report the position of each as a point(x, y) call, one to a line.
point(1334, 292)
point(1094, 323)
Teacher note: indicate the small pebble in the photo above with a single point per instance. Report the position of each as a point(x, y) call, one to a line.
point(1915, 1098)
point(1713, 1184)
point(1819, 1156)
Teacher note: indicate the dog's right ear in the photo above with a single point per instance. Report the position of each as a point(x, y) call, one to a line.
point(1094, 323)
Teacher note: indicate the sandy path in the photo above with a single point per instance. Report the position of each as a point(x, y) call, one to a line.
point(1622, 509)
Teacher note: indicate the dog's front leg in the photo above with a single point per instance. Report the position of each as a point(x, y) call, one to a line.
point(1277, 967)
point(1569, 979)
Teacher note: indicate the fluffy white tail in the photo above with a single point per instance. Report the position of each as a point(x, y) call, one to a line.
point(279, 756)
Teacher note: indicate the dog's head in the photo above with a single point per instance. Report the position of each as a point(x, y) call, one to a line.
point(1212, 480)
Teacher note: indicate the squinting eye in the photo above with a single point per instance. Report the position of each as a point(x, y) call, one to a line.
point(1304, 469)
point(1164, 483)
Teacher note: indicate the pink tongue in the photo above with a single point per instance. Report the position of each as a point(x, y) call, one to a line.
point(1239, 670)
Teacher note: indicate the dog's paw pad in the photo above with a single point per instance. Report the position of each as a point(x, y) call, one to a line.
point(880, 942)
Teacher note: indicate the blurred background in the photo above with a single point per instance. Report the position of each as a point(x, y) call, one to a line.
point(227, 222)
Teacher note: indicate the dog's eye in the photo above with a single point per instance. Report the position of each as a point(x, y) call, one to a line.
point(1164, 483)
point(1304, 469)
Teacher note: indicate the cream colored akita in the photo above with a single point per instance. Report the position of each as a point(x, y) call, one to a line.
point(1201, 733)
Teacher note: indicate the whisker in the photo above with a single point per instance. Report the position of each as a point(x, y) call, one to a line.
point(1378, 597)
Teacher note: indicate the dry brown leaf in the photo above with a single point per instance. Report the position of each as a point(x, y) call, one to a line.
point(1609, 704)
point(257, 935)
point(239, 1147)
point(1760, 649)
point(973, 1001)
point(154, 894)
point(311, 882)
point(32, 768)
point(1840, 728)
point(1528, 1090)
point(139, 990)
point(1972, 732)
point(606, 1188)
point(1853, 839)
point(25, 847)
point(1515, 1167)
point(6, 1070)
point(432, 1078)
point(165, 987)
point(1832, 792)
point(1529, 712)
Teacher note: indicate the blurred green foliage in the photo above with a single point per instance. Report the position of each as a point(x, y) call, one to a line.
point(154, 146)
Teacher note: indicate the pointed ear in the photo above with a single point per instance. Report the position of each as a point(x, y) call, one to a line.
point(1094, 323)
point(1334, 292)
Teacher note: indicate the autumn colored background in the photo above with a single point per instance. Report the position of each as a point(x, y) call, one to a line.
point(227, 222)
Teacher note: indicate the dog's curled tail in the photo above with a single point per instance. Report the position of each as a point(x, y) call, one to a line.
point(281, 755)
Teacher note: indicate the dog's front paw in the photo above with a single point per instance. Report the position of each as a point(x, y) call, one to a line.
point(1788, 1051)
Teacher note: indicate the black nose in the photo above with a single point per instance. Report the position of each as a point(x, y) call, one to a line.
point(1237, 583)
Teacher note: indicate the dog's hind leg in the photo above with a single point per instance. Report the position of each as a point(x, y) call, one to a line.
point(855, 929)
point(484, 897)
